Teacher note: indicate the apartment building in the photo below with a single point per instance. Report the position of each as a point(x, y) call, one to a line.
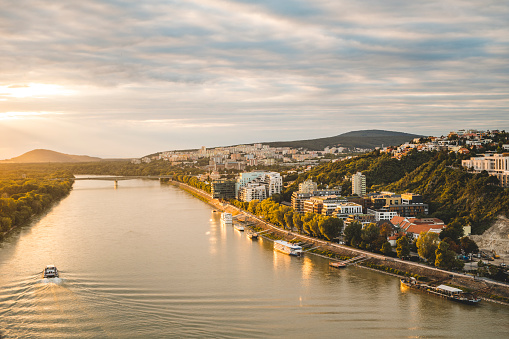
point(316, 204)
point(253, 191)
point(346, 209)
point(495, 164)
point(223, 189)
point(359, 184)
point(308, 186)
point(272, 182)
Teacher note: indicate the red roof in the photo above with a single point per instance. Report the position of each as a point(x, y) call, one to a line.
point(416, 226)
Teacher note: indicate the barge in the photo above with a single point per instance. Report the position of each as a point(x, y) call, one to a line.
point(444, 291)
point(288, 248)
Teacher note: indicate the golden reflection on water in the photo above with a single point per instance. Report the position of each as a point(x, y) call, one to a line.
point(307, 268)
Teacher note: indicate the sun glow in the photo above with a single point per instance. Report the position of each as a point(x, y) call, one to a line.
point(33, 90)
point(22, 115)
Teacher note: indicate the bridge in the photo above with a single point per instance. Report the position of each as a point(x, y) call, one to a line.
point(116, 179)
point(130, 177)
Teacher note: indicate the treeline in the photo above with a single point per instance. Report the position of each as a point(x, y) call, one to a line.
point(454, 194)
point(371, 238)
point(192, 181)
point(315, 225)
point(21, 198)
point(113, 167)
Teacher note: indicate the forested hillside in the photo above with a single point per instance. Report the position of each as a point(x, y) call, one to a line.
point(453, 194)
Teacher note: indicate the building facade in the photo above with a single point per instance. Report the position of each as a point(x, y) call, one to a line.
point(272, 182)
point(359, 184)
point(495, 164)
point(346, 209)
point(308, 186)
point(223, 189)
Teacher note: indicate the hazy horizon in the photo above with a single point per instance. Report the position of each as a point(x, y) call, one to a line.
point(122, 79)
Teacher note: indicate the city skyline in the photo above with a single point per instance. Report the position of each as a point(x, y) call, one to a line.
point(115, 79)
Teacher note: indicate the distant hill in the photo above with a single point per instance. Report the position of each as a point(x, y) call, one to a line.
point(360, 139)
point(44, 155)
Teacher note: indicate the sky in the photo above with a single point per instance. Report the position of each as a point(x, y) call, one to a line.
point(116, 78)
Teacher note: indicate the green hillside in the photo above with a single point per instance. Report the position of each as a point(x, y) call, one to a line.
point(354, 139)
point(453, 194)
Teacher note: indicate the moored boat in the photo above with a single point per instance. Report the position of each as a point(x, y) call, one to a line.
point(288, 248)
point(448, 292)
point(226, 218)
point(252, 234)
point(50, 272)
point(239, 227)
point(337, 264)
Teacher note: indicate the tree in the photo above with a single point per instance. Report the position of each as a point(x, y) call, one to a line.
point(386, 248)
point(385, 230)
point(330, 227)
point(251, 208)
point(468, 245)
point(5, 224)
point(289, 219)
point(453, 246)
point(353, 233)
point(427, 245)
point(369, 234)
point(445, 258)
point(454, 231)
point(403, 247)
point(297, 222)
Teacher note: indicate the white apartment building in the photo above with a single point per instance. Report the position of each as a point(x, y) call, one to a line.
point(343, 210)
point(272, 182)
point(495, 164)
point(382, 215)
point(308, 186)
point(253, 191)
point(359, 184)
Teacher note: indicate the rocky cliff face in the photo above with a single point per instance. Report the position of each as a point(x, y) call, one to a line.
point(495, 238)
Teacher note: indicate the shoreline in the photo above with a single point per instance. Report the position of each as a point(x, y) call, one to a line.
point(490, 290)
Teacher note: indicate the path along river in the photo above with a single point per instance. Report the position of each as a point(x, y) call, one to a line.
point(150, 260)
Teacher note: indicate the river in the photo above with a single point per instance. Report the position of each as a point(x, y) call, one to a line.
point(150, 260)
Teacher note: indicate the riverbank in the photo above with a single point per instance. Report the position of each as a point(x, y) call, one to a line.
point(488, 290)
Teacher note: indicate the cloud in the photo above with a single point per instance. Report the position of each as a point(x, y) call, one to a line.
point(279, 70)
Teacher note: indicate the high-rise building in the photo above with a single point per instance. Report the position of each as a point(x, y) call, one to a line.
point(359, 184)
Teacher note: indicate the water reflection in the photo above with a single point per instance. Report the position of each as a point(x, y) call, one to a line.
point(149, 260)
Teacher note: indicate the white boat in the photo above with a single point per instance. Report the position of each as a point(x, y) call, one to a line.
point(239, 227)
point(226, 218)
point(288, 248)
point(50, 272)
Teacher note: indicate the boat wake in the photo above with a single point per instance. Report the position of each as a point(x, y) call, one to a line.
point(57, 281)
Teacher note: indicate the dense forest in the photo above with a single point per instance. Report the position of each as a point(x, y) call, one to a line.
point(454, 194)
point(25, 193)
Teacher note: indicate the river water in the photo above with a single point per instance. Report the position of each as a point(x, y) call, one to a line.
point(149, 260)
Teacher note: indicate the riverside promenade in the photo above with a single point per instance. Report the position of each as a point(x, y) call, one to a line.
point(458, 279)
